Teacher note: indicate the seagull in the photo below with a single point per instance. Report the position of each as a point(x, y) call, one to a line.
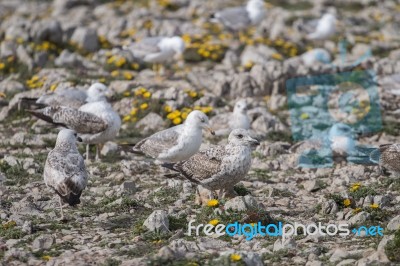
point(223, 124)
point(64, 170)
point(239, 18)
point(96, 122)
point(219, 167)
point(318, 55)
point(157, 50)
point(177, 143)
point(326, 27)
point(70, 97)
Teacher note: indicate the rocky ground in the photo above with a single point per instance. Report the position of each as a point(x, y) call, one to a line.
point(48, 45)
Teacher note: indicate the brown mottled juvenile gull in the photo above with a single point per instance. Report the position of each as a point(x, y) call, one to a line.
point(239, 18)
point(96, 122)
point(65, 170)
point(388, 158)
point(177, 143)
point(219, 167)
point(223, 124)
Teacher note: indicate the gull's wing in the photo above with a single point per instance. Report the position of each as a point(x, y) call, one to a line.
point(234, 18)
point(81, 122)
point(159, 142)
point(202, 165)
point(66, 174)
point(145, 46)
point(73, 98)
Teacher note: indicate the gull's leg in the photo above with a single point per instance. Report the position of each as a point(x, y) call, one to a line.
point(97, 152)
point(87, 152)
point(61, 208)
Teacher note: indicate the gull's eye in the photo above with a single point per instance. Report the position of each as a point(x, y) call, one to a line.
point(240, 136)
point(75, 134)
point(202, 120)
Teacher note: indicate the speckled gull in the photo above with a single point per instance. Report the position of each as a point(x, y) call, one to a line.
point(387, 156)
point(65, 171)
point(177, 143)
point(223, 124)
point(219, 167)
point(157, 49)
point(239, 18)
point(96, 122)
point(326, 27)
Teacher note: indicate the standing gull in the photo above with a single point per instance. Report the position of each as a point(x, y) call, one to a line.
point(219, 167)
point(65, 170)
point(177, 143)
point(239, 18)
point(223, 124)
point(388, 157)
point(326, 27)
point(96, 122)
point(157, 50)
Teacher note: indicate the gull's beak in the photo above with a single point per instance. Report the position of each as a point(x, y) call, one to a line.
point(253, 142)
point(79, 139)
point(208, 128)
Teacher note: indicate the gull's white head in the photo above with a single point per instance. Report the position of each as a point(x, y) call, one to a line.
point(175, 43)
point(198, 119)
point(240, 107)
point(241, 137)
point(256, 10)
point(97, 92)
point(328, 18)
point(67, 137)
point(341, 130)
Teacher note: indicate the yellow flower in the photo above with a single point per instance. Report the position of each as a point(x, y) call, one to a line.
point(46, 258)
point(126, 118)
point(135, 66)
point(9, 224)
point(277, 56)
point(128, 75)
point(347, 202)
point(147, 94)
point(115, 73)
point(304, 116)
point(235, 257)
point(355, 187)
point(374, 206)
point(357, 210)
point(127, 93)
point(249, 64)
point(120, 62)
point(167, 108)
point(2, 95)
point(171, 116)
point(53, 87)
point(34, 78)
point(111, 60)
point(184, 115)
point(102, 80)
point(212, 203)
point(144, 106)
point(206, 109)
point(193, 94)
point(214, 222)
point(134, 111)
point(2, 66)
point(177, 121)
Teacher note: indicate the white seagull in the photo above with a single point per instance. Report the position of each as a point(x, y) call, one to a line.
point(177, 143)
point(223, 124)
point(326, 28)
point(239, 18)
point(65, 170)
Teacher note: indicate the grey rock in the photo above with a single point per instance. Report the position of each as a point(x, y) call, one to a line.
point(311, 185)
point(394, 223)
point(330, 207)
point(256, 54)
point(7, 48)
point(27, 227)
point(24, 57)
point(385, 240)
point(359, 218)
point(284, 243)
point(157, 221)
point(128, 186)
point(241, 203)
point(86, 38)
point(43, 242)
point(376, 258)
point(338, 255)
point(151, 123)
point(47, 30)
point(109, 148)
